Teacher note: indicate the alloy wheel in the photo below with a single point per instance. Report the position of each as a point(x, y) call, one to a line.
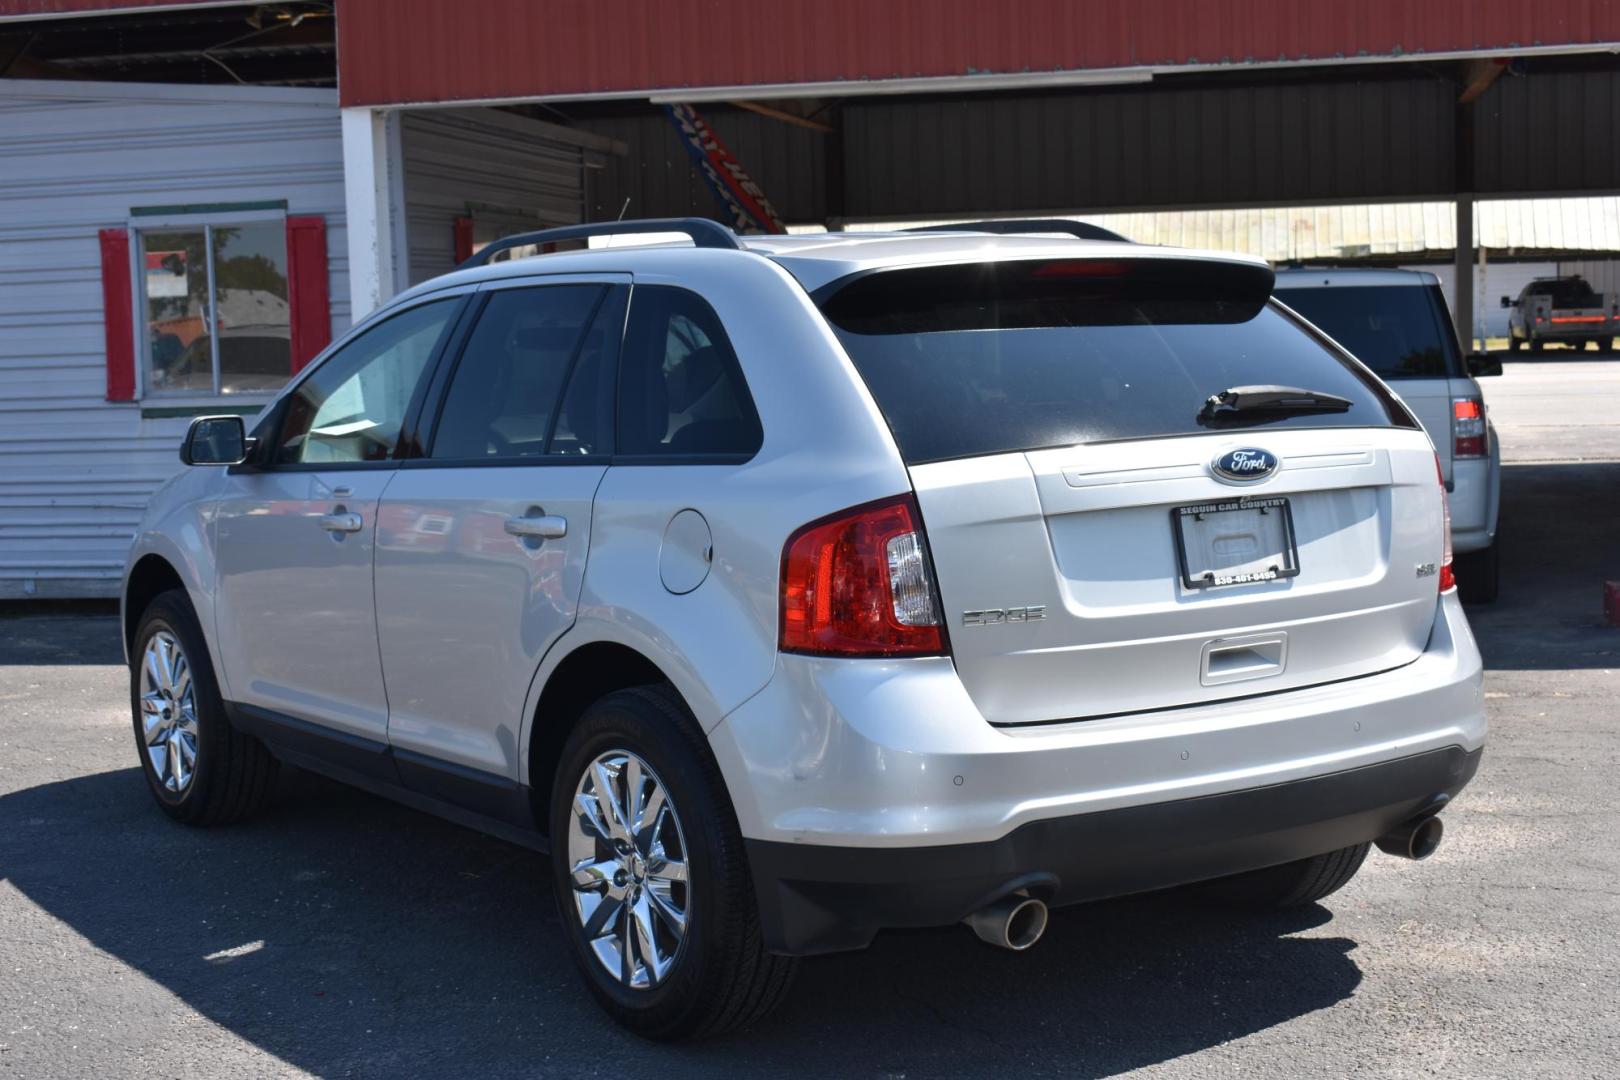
point(628, 870)
point(168, 712)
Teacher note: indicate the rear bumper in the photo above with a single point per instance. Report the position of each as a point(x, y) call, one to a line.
point(816, 899)
point(861, 787)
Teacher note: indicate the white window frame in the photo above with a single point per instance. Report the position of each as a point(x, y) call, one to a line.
point(139, 226)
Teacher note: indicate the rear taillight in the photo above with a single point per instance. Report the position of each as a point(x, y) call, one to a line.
point(859, 584)
point(1448, 576)
point(1467, 428)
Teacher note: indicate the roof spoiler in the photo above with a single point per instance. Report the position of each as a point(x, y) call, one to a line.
point(1080, 230)
point(703, 233)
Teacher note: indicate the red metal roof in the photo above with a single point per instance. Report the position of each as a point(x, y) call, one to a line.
point(394, 51)
point(57, 9)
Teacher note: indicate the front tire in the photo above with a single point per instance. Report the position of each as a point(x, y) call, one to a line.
point(199, 768)
point(651, 878)
point(1294, 884)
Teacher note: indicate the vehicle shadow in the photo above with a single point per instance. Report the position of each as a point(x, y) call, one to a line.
point(1559, 535)
point(59, 632)
point(349, 936)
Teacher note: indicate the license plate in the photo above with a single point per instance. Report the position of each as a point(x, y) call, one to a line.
point(1236, 542)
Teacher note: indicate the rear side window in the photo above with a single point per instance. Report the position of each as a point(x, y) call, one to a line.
point(506, 397)
point(988, 358)
point(681, 391)
point(1400, 331)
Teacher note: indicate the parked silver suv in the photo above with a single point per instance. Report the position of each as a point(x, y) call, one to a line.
point(790, 589)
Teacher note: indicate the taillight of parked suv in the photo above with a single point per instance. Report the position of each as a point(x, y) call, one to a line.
point(1448, 576)
point(1468, 428)
point(859, 583)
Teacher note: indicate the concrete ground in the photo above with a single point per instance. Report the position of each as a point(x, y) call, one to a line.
point(339, 935)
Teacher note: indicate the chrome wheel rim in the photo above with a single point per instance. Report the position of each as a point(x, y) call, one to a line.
point(168, 712)
point(628, 870)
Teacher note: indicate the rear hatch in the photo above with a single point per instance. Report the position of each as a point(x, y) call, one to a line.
point(1402, 332)
point(1091, 558)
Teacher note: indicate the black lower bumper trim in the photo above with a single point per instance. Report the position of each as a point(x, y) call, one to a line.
point(816, 899)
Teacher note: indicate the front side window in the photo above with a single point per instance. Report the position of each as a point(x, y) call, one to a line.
point(506, 398)
point(681, 391)
point(352, 407)
point(215, 308)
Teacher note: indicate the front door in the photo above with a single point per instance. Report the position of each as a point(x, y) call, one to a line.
point(295, 614)
point(482, 543)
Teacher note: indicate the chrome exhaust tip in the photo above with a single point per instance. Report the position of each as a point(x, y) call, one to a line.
point(1415, 840)
point(1014, 922)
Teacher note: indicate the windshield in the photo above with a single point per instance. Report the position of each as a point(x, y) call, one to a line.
point(988, 358)
point(1400, 331)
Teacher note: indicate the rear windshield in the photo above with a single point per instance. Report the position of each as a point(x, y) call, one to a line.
point(1569, 293)
point(1397, 330)
point(988, 358)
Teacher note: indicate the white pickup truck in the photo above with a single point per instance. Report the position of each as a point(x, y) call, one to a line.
point(1565, 310)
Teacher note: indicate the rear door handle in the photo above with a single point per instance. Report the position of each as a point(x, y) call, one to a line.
point(545, 527)
point(345, 523)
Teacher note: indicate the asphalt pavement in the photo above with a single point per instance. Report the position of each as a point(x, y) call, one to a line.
point(340, 935)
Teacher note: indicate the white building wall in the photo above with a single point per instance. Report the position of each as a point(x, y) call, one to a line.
point(506, 171)
point(76, 470)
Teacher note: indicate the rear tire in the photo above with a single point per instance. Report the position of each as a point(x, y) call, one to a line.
point(708, 971)
point(1479, 575)
point(199, 768)
point(1535, 345)
point(1606, 345)
point(1290, 885)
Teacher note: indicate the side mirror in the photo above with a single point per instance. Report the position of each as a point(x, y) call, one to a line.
point(1480, 365)
point(216, 440)
point(1507, 301)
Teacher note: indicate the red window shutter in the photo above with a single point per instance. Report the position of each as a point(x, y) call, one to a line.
point(464, 239)
point(118, 314)
point(308, 296)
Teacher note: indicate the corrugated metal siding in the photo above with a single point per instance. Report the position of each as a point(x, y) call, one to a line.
point(1549, 132)
point(787, 161)
point(1160, 147)
point(76, 471)
point(1351, 141)
point(393, 51)
point(461, 159)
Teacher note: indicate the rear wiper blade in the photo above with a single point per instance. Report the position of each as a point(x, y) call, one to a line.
point(1270, 399)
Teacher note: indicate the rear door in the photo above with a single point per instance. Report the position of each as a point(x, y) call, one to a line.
point(481, 544)
point(1092, 560)
point(1402, 332)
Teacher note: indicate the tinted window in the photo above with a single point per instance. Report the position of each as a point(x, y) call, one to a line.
point(352, 407)
point(1400, 331)
point(993, 357)
point(680, 390)
point(505, 396)
point(1567, 293)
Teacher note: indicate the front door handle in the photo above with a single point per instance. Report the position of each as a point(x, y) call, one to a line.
point(341, 523)
point(545, 527)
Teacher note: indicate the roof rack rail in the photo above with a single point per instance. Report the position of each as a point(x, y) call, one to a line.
point(704, 234)
point(1015, 226)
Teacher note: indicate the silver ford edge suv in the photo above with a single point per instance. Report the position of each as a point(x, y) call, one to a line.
point(790, 589)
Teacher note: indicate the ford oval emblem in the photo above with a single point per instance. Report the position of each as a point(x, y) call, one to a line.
point(1247, 463)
